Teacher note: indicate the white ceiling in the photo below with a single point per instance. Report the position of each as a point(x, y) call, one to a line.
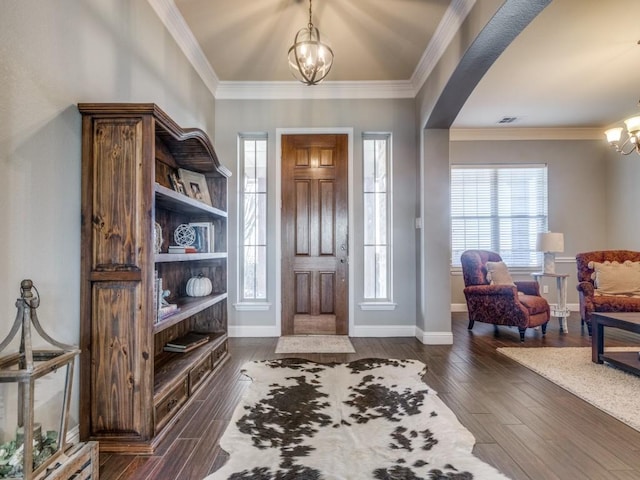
point(248, 40)
point(576, 65)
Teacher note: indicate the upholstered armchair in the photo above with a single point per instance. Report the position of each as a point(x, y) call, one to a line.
point(501, 302)
point(618, 293)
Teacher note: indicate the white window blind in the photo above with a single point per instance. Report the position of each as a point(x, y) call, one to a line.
point(499, 208)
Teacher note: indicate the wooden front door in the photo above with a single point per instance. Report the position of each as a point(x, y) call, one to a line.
point(314, 235)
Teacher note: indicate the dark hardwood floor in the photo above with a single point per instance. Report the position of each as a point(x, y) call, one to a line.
point(527, 427)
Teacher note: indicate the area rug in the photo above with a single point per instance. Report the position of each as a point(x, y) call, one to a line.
point(315, 344)
point(572, 369)
point(367, 419)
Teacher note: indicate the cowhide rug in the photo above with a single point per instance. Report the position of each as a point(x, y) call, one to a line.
point(367, 419)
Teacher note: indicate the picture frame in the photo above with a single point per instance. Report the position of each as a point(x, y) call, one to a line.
point(176, 184)
point(204, 237)
point(195, 185)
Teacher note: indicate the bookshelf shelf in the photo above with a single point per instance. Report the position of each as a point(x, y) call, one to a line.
point(188, 257)
point(187, 307)
point(172, 200)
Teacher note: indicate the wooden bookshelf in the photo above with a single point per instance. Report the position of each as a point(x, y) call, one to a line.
point(131, 390)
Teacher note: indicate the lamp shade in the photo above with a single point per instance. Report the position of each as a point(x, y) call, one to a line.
point(633, 125)
point(550, 242)
point(614, 134)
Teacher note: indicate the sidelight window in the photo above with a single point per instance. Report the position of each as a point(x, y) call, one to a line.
point(252, 206)
point(377, 217)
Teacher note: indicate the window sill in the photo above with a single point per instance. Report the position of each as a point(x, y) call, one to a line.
point(377, 306)
point(252, 306)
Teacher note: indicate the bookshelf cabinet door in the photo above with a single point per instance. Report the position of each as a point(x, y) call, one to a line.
point(117, 186)
point(117, 359)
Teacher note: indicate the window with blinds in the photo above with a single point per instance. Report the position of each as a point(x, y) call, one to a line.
point(499, 208)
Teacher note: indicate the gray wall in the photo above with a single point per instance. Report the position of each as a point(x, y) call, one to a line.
point(434, 320)
point(623, 201)
point(54, 55)
point(434, 309)
point(394, 116)
point(578, 206)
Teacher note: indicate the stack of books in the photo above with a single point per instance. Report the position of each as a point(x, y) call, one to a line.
point(187, 342)
point(179, 249)
point(162, 308)
point(166, 310)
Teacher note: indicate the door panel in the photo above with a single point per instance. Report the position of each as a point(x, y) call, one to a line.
point(314, 234)
point(303, 201)
point(327, 238)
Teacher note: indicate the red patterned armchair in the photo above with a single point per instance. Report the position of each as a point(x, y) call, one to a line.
point(515, 304)
point(591, 298)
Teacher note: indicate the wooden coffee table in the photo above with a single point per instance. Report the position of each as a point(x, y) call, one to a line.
point(628, 361)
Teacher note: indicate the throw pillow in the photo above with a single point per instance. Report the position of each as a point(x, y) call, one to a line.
point(498, 274)
point(613, 278)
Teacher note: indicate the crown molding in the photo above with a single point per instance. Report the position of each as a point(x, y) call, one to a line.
point(479, 134)
point(446, 30)
point(182, 34)
point(325, 90)
point(175, 23)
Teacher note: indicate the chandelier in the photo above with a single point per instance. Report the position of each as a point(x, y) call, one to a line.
point(309, 59)
point(632, 142)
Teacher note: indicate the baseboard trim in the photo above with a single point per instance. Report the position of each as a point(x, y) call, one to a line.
point(434, 338)
point(383, 331)
point(459, 307)
point(253, 331)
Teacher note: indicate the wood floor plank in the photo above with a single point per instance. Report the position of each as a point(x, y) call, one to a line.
point(468, 419)
point(176, 459)
point(624, 475)
point(176, 429)
point(589, 467)
point(205, 453)
point(140, 468)
point(532, 458)
point(115, 466)
point(579, 434)
point(495, 455)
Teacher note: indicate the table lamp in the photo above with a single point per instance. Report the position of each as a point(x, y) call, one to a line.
point(550, 243)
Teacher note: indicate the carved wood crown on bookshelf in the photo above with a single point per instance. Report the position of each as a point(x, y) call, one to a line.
point(191, 147)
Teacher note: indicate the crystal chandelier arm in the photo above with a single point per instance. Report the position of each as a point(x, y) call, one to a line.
point(628, 141)
point(632, 131)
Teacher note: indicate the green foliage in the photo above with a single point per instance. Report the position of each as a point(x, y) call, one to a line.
point(12, 454)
